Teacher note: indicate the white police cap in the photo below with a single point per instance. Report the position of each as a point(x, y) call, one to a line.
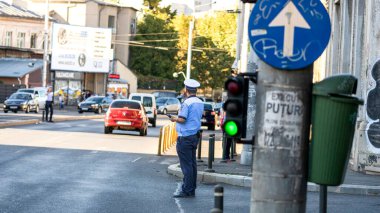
point(191, 84)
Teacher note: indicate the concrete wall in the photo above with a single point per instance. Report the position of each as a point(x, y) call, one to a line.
point(354, 49)
point(126, 74)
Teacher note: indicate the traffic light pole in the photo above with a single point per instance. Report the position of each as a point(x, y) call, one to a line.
point(279, 167)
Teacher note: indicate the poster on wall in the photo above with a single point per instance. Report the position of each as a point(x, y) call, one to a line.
point(83, 49)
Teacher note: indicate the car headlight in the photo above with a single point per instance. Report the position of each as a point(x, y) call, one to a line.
point(94, 105)
point(161, 107)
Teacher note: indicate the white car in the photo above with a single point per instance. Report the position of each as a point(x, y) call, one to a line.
point(38, 92)
point(149, 103)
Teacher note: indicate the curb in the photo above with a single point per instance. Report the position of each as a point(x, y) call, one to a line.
point(244, 181)
point(58, 119)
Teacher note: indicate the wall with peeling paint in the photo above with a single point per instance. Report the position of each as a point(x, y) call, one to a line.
point(355, 49)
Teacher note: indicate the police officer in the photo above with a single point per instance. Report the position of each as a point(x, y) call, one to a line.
point(188, 125)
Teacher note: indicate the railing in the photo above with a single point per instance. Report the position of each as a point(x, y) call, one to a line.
point(168, 137)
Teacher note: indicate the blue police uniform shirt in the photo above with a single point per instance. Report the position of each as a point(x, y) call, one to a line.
point(191, 110)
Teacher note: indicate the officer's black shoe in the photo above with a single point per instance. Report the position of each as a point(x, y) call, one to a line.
point(183, 195)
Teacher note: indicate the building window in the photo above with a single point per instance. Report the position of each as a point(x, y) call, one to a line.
point(133, 26)
point(33, 40)
point(111, 23)
point(21, 40)
point(8, 39)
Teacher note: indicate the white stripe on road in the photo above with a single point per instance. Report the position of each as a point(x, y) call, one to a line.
point(178, 190)
point(136, 159)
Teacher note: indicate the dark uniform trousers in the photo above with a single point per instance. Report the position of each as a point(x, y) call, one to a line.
point(186, 149)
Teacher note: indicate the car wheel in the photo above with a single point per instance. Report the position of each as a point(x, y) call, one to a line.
point(15, 111)
point(5, 111)
point(107, 130)
point(37, 109)
point(99, 111)
point(142, 132)
point(146, 131)
point(27, 109)
point(80, 111)
point(165, 111)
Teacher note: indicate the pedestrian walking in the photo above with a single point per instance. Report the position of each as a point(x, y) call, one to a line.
point(49, 105)
point(188, 126)
point(61, 101)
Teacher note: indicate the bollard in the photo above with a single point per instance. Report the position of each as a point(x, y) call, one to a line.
point(43, 115)
point(218, 199)
point(160, 142)
point(211, 153)
point(200, 147)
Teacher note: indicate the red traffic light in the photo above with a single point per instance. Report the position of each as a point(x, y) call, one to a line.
point(233, 86)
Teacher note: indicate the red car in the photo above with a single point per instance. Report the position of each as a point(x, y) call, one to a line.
point(126, 115)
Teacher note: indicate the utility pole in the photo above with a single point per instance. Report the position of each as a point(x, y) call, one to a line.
point(190, 44)
point(284, 93)
point(46, 40)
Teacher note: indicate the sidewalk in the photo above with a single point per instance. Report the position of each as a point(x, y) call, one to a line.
point(69, 113)
point(240, 175)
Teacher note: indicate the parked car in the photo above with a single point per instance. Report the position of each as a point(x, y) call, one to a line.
point(96, 104)
point(149, 103)
point(208, 117)
point(21, 101)
point(126, 114)
point(39, 93)
point(168, 105)
point(165, 94)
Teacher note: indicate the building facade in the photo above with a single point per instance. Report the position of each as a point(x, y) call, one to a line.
point(99, 14)
point(355, 49)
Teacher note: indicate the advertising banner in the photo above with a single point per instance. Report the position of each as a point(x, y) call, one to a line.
point(83, 49)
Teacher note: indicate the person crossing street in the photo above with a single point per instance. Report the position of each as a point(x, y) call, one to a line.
point(188, 126)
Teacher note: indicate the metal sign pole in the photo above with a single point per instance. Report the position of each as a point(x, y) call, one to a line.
point(286, 38)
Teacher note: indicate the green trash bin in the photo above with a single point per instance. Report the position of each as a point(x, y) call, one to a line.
point(333, 129)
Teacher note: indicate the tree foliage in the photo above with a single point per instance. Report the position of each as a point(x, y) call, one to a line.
point(155, 30)
point(214, 45)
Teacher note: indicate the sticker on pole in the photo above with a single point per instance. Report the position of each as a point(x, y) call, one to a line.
point(289, 34)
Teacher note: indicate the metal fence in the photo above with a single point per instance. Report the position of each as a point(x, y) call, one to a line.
point(168, 137)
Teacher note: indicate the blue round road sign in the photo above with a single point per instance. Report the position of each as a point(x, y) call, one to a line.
point(289, 34)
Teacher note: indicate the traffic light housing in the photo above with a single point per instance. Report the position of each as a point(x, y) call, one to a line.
point(249, 1)
point(235, 107)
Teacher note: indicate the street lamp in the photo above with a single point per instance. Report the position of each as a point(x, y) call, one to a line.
point(191, 28)
point(175, 75)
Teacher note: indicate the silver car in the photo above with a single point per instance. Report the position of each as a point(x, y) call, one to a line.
point(168, 105)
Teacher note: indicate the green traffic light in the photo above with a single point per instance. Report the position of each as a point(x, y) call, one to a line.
point(231, 128)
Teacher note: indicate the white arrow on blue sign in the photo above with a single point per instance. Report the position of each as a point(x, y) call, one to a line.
point(289, 34)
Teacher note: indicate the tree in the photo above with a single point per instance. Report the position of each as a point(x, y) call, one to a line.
point(152, 4)
point(155, 30)
point(214, 44)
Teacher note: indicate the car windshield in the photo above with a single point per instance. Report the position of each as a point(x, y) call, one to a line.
point(95, 99)
point(20, 96)
point(207, 107)
point(26, 90)
point(125, 104)
point(161, 100)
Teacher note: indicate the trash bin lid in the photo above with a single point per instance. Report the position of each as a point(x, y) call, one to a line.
point(337, 84)
point(346, 98)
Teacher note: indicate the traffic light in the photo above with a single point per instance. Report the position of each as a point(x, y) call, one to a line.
point(249, 1)
point(235, 107)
